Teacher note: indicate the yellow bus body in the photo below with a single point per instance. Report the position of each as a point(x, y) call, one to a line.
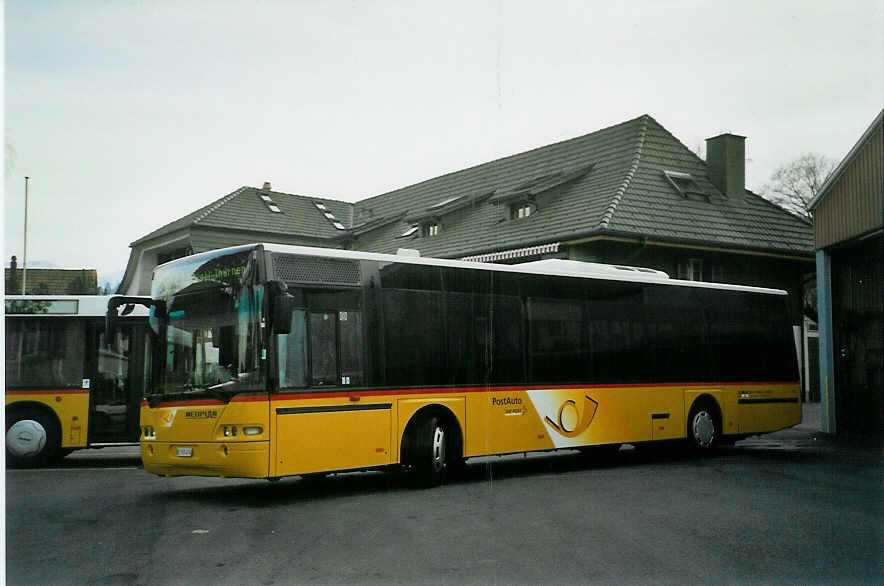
point(338, 430)
point(71, 407)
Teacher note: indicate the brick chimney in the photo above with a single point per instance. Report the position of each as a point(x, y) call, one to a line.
point(726, 164)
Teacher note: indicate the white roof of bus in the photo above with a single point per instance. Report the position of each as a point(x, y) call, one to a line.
point(564, 268)
point(88, 305)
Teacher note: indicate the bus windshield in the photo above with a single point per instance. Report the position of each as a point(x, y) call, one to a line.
point(208, 334)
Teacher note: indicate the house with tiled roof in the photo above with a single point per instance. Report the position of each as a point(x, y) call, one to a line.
point(46, 281)
point(246, 215)
point(630, 194)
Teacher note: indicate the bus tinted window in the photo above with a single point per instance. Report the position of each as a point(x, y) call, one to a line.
point(413, 336)
point(558, 350)
point(350, 342)
point(507, 362)
point(468, 335)
point(676, 333)
point(618, 336)
point(408, 276)
point(46, 353)
point(750, 337)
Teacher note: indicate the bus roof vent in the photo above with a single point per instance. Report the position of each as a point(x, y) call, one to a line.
point(310, 270)
point(578, 267)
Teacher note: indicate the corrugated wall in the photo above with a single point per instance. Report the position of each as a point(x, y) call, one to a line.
point(855, 202)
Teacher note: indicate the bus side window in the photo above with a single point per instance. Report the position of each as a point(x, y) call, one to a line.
point(323, 348)
point(44, 353)
point(292, 352)
point(350, 343)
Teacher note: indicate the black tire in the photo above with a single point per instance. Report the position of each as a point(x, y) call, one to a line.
point(429, 451)
point(32, 439)
point(704, 427)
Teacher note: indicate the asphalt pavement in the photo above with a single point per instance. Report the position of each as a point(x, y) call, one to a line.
point(794, 507)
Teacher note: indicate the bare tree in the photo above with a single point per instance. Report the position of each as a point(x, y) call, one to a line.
point(794, 184)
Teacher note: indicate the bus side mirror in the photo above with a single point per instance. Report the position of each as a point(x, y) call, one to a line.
point(128, 303)
point(282, 304)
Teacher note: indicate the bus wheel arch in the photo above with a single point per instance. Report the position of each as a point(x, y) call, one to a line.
point(33, 435)
point(704, 423)
point(432, 445)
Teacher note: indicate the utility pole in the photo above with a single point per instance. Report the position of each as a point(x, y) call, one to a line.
point(24, 275)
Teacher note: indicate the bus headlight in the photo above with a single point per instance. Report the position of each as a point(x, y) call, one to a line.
point(252, 430)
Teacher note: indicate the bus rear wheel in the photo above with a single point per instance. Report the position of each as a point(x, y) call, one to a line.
point(704, 429)
point(32, 439)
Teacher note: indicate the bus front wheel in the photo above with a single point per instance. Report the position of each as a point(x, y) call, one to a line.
point(32, 438)
point(704, 428)
point(430, 451)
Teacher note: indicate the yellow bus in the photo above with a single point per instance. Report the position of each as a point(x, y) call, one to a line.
point(274, 360)
point(67, 386)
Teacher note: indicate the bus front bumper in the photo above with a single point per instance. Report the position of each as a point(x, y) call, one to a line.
point(220, 459)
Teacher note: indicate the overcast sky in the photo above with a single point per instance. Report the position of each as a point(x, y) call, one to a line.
point(128, 115)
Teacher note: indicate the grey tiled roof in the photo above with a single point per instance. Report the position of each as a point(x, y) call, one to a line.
point(624, 193)
point(609, 182)
point(244, 209)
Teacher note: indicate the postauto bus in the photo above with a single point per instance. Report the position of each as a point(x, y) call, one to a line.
point(274, 360)
point(69, 386)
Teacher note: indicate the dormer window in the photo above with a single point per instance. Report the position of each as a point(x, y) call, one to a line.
point(522, 210)
point(685, 184)
point(430, 229)
point(409, 232)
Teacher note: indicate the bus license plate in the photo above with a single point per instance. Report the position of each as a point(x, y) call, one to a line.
point(185, 452)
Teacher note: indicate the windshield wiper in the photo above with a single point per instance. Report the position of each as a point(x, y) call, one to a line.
point(220, 391)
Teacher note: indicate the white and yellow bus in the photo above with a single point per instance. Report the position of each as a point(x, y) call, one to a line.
point(274, 360)
point(66, 386)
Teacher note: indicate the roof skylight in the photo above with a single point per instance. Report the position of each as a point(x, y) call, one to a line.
point(271, 205)
point(329, 215)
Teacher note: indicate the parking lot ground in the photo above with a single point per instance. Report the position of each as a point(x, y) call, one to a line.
point(788, 508)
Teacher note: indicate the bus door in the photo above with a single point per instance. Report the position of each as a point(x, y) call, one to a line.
point(319, 425)
point(116, 383)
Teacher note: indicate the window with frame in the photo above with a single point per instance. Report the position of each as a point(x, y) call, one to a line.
point(685, 184)
point(694, 269)
point(324, 347)
point(430, 229)
point(522, 210)
point(44, 353)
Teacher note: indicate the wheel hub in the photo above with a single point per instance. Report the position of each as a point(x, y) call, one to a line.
point(703, 427)
point(25, 438)
point(439, 448)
